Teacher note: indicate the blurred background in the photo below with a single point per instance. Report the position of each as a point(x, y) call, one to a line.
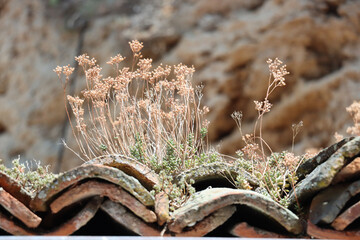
point(227, 41)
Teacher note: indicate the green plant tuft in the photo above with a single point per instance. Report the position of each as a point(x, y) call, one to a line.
point(30, 180)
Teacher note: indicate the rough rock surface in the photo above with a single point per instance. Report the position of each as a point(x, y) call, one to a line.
point(227, 42)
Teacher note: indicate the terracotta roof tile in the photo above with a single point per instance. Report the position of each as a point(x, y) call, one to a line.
point(119, 191)
point(18, 209)
point(112, 191)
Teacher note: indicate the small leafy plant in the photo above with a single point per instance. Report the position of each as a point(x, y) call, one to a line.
point(30, 180)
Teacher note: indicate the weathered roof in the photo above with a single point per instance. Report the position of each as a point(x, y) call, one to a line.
point(111, 197)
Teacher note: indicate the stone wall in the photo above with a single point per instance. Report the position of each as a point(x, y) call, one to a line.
point(227, 41)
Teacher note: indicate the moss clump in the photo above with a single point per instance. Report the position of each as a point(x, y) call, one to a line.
point(30, 180)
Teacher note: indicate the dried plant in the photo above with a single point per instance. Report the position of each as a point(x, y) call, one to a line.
point(150, 114)
point(354, 110)
point(142, 112)
point(154, 116)
point(254, 143)
point(276, 171)
point(276, 79)
point(295, 131)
